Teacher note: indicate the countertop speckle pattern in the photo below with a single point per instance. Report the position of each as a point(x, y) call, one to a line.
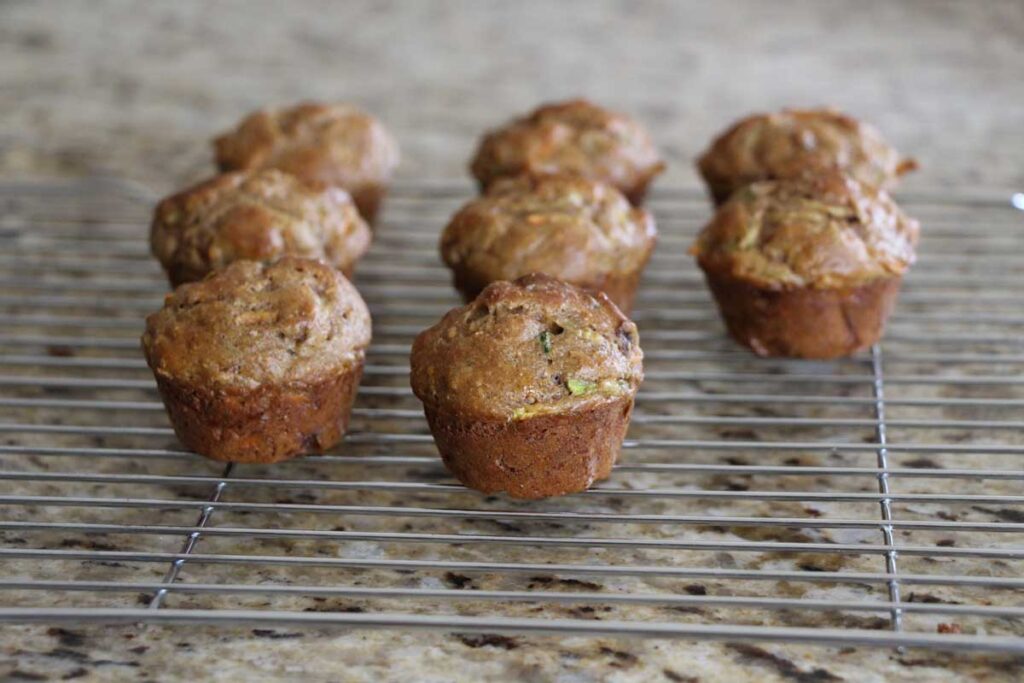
point(136, 91)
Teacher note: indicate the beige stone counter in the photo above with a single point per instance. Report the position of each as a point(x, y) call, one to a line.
point(137, 90)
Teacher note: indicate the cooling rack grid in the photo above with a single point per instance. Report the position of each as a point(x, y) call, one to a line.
point(872, 501)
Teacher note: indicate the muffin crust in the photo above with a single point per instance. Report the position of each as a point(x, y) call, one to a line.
point(336, 144)
point(792, 142)
point(821, 231)
point(259, 215)
point(260, 362)
point(522, 347)
point(575, 137)
point(578, 230)
point(808, 267)
point(529, 389)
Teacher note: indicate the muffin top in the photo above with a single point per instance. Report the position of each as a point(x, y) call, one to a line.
point(788, 143)
point(566, 226)
point(259, 215)
point(334, 143)
point(531, 347)
point(821, 231)
point(252, 323)
point(575, 137)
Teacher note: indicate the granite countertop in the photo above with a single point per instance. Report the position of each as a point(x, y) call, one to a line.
point(136, 91)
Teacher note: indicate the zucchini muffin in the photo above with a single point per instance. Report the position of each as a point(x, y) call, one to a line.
point(529, 388)
point(808, 267)
point(789, 143)
point(576, 137)
point(335, 144)
point(260, 362)
point(578, 230)
point(258, 216)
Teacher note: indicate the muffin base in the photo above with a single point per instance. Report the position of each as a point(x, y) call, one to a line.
point(368, 200)
point(537, 457)
point(720, 192)
point(621, 289)
point(179, 276)
point(268, 424)
point(804, 322)
point(637, 193)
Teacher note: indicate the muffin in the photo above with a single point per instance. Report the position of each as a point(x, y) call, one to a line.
point(794, 141)
point(260, 362)
point(807, 267)
point(578, 230)
point(529, 388)
point(260, 216)
point(336, 144)
point(575, 137)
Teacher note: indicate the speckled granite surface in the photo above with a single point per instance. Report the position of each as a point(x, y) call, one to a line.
point(136, 91)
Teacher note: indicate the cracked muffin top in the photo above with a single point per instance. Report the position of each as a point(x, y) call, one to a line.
point(531, 347)
point(821, 231)
point(789, 143)
point(575, 137)
point(257, 216)
point(568, 227)
point(295, 320)
point(337, 144)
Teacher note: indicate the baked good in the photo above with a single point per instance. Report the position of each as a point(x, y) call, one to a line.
point(794, 141)
point(578, 230)
point(575, 137)
point(260, 362)
point(336, 144)
point(259, 215)
point(807, 267)
point(529, 388)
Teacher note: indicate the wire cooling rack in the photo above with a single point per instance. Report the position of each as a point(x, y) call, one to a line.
point(869, 501)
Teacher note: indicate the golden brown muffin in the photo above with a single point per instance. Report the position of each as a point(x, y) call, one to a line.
point(260, 362)
point(807, 267)
point(258, 216)
point(578, 230)
point(336, 144)
point(794, 141)
point(529, 388)
point(576, 137)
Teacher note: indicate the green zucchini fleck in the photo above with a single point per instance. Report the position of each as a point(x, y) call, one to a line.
point(580, 387)
point(545, 341)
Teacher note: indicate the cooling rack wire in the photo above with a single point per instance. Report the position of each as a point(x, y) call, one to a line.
point(872, 501)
